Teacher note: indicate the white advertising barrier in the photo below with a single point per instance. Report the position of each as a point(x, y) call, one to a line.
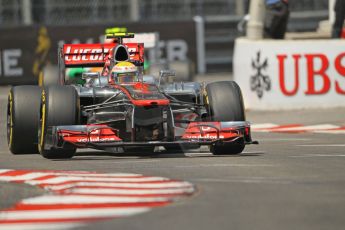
point(290, 74)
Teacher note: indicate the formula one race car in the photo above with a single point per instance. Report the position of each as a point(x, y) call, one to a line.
point(119, 108)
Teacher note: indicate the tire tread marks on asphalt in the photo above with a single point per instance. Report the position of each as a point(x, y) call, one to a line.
point(76, 198)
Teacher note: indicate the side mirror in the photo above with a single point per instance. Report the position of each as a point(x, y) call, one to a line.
point(149, 79)
point(90, 77)
point(165, 73)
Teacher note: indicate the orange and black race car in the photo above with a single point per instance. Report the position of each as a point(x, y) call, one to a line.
point(119, 108)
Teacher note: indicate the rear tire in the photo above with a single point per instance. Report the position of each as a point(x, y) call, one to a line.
point(59, 106)
point(23, 118)
point(225, 103)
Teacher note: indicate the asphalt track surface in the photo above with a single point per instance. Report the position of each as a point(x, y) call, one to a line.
point(289, 181)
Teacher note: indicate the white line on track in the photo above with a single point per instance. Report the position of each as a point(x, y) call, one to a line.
point(70, 213)
point(318, 155)
point(86, 199)
point(39, 226)
point(249, 180)
point(134, 161)
point(310, 128)
point(324, 145)
point(284, 139)
point(263, 126)
point(330, 131)
point(225, 165)
point(299, 128)
point(121, 185)
point(64, 179)
point(130, 192)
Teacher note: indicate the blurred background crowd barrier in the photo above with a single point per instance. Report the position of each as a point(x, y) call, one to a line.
point(65, 12)
point(30, 30)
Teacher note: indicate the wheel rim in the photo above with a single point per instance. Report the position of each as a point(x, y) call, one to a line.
point(42, 123)
point(40, 78)
point(10, 120)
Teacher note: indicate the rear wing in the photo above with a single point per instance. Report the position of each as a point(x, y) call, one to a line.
point(95, 55)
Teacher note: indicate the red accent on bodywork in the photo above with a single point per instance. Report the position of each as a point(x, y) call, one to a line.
point(150, 102)
point(187, 116)
point(144, 89)
point(97, 134)
point(141, 86)
point(247, 131)
point(209, 131)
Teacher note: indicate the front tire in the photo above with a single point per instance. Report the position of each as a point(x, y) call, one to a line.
point(23, 118)
point(49, 76)
point(59, 106)
point(225, 103)
point(232, 148)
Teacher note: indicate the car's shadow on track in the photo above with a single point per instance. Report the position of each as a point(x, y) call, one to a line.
point(98, 155)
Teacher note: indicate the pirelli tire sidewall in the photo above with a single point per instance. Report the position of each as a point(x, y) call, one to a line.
point(59, 106)
point(224, 102)
point(23, 119)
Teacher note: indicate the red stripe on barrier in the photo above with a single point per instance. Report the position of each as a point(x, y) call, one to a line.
point(32, 207)
point(128, 195)
point(340, 128)
point(106, 181)
point(54, 220)
point(286, 126)
point(281, 129)
point(15, 173)
point(116, 187)
point(44, 177)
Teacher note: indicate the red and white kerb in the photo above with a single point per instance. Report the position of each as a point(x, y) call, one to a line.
point(76, 198)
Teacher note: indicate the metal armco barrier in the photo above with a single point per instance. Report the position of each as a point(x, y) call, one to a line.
point(25, 50)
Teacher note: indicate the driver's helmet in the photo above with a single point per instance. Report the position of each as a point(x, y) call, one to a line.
point(124, 72)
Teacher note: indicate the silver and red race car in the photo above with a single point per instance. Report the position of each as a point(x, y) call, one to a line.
point(107, 114)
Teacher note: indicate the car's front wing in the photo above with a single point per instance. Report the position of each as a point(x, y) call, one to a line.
point(104, 137)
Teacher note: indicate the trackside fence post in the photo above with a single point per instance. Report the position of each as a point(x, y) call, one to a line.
point(200, 44)
point(255, 25)
point(26, 12)
point(134, 10)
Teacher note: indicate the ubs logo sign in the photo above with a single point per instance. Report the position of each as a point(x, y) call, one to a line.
point(259, 82)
